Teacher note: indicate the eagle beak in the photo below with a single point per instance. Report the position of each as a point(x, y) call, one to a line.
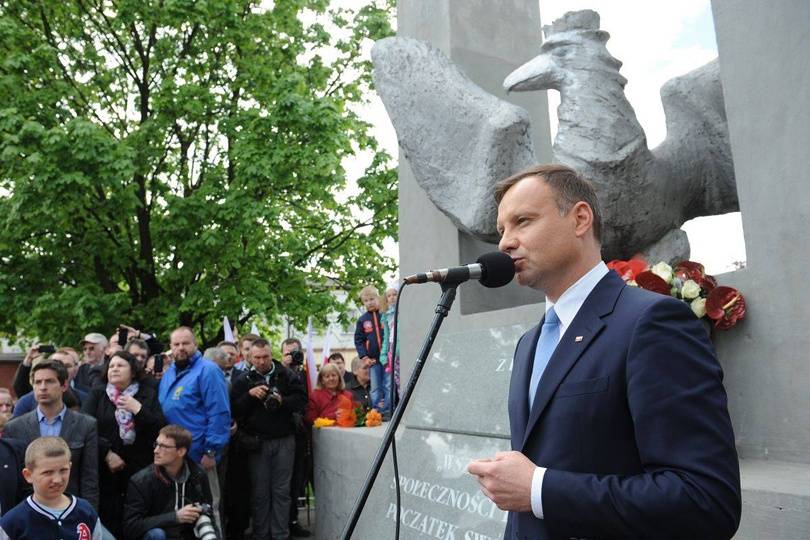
point(539, 73)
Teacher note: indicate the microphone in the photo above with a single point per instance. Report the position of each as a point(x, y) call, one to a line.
point(494, 269)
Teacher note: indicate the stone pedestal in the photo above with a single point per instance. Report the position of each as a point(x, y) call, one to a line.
point(766, 85)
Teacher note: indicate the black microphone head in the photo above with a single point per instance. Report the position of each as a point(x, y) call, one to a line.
point(497, 269)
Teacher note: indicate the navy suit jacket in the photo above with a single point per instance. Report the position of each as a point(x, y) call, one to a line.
point(13, 487)
point(630, 418)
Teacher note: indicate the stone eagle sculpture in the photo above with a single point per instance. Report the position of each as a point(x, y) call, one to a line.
point(459, 140)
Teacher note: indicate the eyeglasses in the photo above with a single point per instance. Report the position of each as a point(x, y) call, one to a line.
point(163, 446)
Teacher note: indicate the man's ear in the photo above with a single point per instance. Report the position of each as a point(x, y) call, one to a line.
point(28, 474)
point(583, 216)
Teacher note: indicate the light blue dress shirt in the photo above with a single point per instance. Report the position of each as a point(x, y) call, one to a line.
point(50, 429)
point(566, 308)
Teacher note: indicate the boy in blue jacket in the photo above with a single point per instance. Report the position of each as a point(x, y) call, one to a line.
point(367, 341)
point(49, 514)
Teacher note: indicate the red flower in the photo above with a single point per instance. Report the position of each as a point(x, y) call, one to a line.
point(689, 270)
point(651, 282)
point(725, 306)
point(628, 270)
point(697, 273)
point(707, 283)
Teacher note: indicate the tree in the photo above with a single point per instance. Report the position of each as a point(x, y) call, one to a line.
point(169, 162)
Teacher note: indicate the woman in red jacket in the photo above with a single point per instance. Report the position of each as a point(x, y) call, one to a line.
point(324, 400)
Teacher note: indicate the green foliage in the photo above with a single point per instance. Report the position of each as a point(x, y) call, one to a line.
point(170, 162)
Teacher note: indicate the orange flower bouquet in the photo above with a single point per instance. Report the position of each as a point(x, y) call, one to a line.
point(373, 418)
point(346, 413)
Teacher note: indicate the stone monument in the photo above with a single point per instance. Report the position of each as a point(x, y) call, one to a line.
point(459, 409)
point(460, 140)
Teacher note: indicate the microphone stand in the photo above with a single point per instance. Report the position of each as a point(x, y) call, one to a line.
point(442, 309)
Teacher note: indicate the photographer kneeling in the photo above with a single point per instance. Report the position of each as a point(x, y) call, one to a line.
point(263, 400)
point(170, 499)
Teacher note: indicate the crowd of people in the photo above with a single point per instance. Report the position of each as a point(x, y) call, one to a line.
point(133, 442)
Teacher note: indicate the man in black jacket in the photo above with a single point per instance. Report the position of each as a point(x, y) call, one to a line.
point(163, 499)
point(12, 483)
point(263, 400)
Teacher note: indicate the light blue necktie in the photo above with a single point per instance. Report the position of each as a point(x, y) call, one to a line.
point(549, 336)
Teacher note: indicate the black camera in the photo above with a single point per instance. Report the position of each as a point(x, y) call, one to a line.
point(296, 358)
point(271, 402)
point(204, 527)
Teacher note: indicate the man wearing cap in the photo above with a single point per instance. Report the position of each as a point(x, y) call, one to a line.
point(91, 369)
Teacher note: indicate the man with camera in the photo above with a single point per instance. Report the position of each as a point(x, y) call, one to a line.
point(293, 358)
point(263, 401)
point(171, 499)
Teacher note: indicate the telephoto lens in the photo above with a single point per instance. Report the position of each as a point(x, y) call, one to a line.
point(204, 527)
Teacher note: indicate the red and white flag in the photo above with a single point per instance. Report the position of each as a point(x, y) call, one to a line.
point(327, 345)
point(312, 371)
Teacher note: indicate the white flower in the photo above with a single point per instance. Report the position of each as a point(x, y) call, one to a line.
point(690, 289)
point(698, 306)
point(662, 270)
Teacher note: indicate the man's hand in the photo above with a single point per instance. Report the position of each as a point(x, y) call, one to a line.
point(188, 514)
point(367, 360)
point(114, 461)
point(131, 332)
point(32, 353)
point(259, 392)
point(208, 462)
point(506, 479)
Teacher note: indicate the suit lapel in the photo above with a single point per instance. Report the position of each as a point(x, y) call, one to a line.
point(32, 425)
point(587, 324)
point(68, 423)
point(519, 386)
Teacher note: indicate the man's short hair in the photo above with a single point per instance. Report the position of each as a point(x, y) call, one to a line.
point(136, 342)
point(570, 187)
point(335, 356)
point(215, 354)
point(56, 365)
point(356, 363)
point(260, 342)
point(184, 328)
point(290, 341)
point(181, 436)
point(45, 447)
point(227, 344)
point(248, 337)
point(70, 351)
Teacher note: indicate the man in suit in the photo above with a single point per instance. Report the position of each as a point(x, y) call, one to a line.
point(53, 418)
point(618, 416)
point(73, 397)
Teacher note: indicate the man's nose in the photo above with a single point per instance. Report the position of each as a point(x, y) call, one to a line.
point(507, 242)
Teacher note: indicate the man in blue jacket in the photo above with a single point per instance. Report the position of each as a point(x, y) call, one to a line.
point(194, 394)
